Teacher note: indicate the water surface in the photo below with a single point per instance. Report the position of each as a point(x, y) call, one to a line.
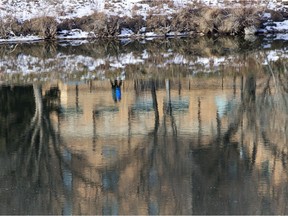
point(165, 147)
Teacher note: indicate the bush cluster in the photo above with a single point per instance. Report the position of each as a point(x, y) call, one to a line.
point(209, 20)
point(45, 27)
point(203, 19)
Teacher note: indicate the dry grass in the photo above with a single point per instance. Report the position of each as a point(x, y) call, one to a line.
point(276, 15)
point(206, 20)
point(184, 20)
point(158, 3)
point(100, 24)
point(134, 23)
point(45, 27)
point(67, 24)
point(195, 19)
point(158, 23)
point(221, 21)
point(9, 27)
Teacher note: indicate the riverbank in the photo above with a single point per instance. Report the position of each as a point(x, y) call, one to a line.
point(46, 20)
point(81, 60)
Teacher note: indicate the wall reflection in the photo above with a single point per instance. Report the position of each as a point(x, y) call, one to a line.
point(167, 147)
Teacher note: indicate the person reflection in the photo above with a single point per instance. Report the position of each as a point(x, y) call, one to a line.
point(116, 90)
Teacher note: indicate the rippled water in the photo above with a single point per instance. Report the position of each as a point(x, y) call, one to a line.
point(164, 147)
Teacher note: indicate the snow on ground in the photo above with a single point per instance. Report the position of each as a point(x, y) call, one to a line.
point(27, 9)
point(73, 63)
point(67, 9)
point(278, 27)
point(63, 9)
point(21, 39)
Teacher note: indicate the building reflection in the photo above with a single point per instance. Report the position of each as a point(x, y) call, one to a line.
point(197, 150)
point(194, 146)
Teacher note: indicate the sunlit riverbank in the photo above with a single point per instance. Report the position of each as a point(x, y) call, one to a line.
point(129, 59)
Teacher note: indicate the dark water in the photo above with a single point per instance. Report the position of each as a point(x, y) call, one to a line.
point(194, 145)
point(197, 126)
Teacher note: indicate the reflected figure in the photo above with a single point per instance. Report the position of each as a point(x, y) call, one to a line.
point(116, 90)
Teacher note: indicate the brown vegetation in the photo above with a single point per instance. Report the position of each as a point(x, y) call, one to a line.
point(45, 27)
point(8, 27)
point(135, 23)
point(196, 19)
point(184, 20)
point(158, 24)
point(158, 3)
point(99, 24)
point(216, 20)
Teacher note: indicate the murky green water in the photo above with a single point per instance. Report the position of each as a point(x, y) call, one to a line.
point(178, 142)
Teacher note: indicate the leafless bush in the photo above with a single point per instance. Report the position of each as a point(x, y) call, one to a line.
point(184, 21)
point(207, 18)
point(48, 27)
point(67, 24)
point(228, 20)
point(45, 27)
point(158, 3)
point(251, 16)
point(108, 27)
point(134, 23)
point(158, 23)
point(9, 27)
point(201, 19)
point(100, 24)
point(276, 16)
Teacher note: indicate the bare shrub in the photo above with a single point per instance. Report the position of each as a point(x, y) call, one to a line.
point(276, 16)
point(184, 21)
point(226, 21)
point(208, 18)
point(48, 27)
point(9, 26)
point(134, 23)
point(158, 23)
point(111, 27)
point(229, 25)
point(100, 24)
point(45, 27)
point(249, 17)
point(158, 3)
point(135, 9)
point(67, 24)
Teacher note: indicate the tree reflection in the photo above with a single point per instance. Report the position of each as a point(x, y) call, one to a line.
point(260, 114)
point(162, 172)
point(222, 177)
point(30, 167)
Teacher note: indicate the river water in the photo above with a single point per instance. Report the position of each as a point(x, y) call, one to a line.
point(174, 136)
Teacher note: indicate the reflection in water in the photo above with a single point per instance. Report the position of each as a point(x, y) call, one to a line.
point(160, 57)
point(116, 89)
point(220, 149)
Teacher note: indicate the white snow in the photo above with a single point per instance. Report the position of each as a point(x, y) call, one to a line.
point(25, 10)
point(125, 32)
point(21, 39)
point(280, 26)
point(66, 9)
point(74, 34)
point(93, 65)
